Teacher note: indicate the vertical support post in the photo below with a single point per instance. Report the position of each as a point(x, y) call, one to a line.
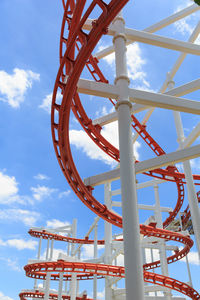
point(187, 261)
point(60, 287)
point(162, 250)
point(51, 251)
point(46, 284)
point(73, 278)
point(38, 257)
point(132, 252)
point(66, 282)
point(77, 282)
point(47, 252)
point(108, 239)
point(192, 197)
point(95, 256)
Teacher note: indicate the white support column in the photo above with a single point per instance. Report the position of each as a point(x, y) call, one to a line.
point(73, 278)
point(68, 251)
point(60, 287)
point(38, 257)
point(95, 256)
point(187, 261)
point(108, 240)
point(132, 251)
point(51, 251)
point(47, 251)
point(162, 250)
point(47, 286)
point(191, 192)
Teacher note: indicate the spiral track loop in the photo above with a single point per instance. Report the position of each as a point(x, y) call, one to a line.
point(76, 48)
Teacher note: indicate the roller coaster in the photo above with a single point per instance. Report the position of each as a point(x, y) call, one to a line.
point(79, 37)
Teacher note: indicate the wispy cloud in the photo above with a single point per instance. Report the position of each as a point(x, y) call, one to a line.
point(64, 194)
point(54, 223)
point(80, 140)
point(4, 297)
point(41, 177)
point(42, 192)
point(12, 264)
point(19, 244)
point(46, 102)
point(28, 217)
point(8, 187)
point(14, 86)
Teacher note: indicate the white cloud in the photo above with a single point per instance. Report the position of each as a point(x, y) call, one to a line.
point(56, 253)
point(41, 177)
point(185, 26)
point(13, 87)
point(41, 192)
point(8, 188)
point(3, 297)
point(88, 251)
point(19, 244)
point(64, 194)
point(46, 103)
point(104, 111)
point(54, 223)
point(27, 217)
point(80, 140)
point(12, 264)
point(101, 295)
point(194, 163)
point(193, 258)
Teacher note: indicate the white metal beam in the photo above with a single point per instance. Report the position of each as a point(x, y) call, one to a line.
point(178, 92)
point(194, 134)
point(147, 165)
point(160, 41)
point(112, 117)
point(153, 28)
point(144, 207)
point(105, 90)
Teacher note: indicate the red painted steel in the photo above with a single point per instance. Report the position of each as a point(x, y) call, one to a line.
point(76, 48)
point(40, 295)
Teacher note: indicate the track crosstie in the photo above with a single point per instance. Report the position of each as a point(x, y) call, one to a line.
point(76, 47)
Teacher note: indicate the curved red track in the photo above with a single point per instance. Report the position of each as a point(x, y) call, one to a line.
point(75, 53)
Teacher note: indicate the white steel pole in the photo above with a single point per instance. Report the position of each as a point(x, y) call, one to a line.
point(47, 252)
point(66, 282)
point(162, 250)
point(38, 257)
point(108, 239)
point(47, 286)
point(132, 252)
point(60, 287)
point(192, 197)
point(48, 276)
point(187, 261)
point(95, 256)
point(51, 251)
point(73, 278)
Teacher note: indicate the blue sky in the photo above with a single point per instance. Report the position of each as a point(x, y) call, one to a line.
point(33, 190)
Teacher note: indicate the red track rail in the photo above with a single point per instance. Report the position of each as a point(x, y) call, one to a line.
point(40, 295)
point(34, 271)
point(145, 230)
point(75, 54)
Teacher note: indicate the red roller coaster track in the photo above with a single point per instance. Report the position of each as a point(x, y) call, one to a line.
point(76, 48)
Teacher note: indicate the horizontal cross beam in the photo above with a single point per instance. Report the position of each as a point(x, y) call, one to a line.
point(166, 101)
point(147, 165)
